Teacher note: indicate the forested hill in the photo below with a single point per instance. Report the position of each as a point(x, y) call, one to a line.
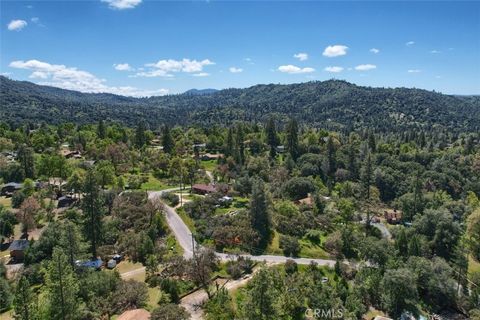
point(332, 104)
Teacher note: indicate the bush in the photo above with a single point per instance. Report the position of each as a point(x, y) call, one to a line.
point(171, 198)
point(290, 246)
point(291, 266)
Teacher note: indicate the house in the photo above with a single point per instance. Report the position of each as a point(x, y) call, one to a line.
point(393, 216)
point(203, 189)
point(17, 249)
point(9, 188)
point(381, 318)
point(71, 154)
point(226, 201)
point(211, 156)
point(135, 314)
point(65, 202)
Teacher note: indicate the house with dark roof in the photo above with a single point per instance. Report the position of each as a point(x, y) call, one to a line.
point(9, 188)
point(17, 249)
point(201, 188)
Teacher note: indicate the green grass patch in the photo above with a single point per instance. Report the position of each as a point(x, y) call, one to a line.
point(473, 265)
point(209, 165)
point(154, 184)
point(186, 219)
point(237, 204)
point(6, 202)
point(274, 245)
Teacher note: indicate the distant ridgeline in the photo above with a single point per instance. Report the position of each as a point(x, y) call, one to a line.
point(333, 105)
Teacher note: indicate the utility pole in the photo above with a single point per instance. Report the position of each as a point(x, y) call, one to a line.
point(193, 245)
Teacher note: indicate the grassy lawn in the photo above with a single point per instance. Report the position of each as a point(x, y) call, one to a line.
point(473, 266)
point(153, 296)
point(186, 219)
point(238, 203)
point(311, 250)
point(155, 184)
point(172, 243)
point(274, 245)
point(6, 202)
point(209, 165)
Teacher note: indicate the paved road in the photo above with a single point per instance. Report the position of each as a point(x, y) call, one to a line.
point(184, 238)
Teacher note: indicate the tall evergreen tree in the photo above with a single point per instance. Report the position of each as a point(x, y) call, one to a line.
point(92, 208)
point(239, 144)
point(292, 138)
point(229, 143)
point(366, 179)
point(27, 161)
point(259, 212)
point(25, 301)
point(101, 130)
point(272, 138)
point(140, 136)
point(167, 140)
point(62, 288)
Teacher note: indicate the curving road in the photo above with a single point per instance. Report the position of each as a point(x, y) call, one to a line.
point(186, 241)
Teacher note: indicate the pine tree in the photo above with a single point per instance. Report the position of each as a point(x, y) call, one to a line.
point(292, 138)
point(25, 302)
point(239, 144)
point(167, 140)
point(92, 208)
point(259, 212)
point(366, 177)
point(272, 138)
point(27, 161)
point(62, 288)
point(140, 137)
point(331, 163)
point(101, 130)
point(229, 143)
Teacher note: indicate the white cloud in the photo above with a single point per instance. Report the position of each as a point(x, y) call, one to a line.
point(35, 19)
point(365, 67)
point(410, 43)
point(17, 25)
point(5, 74)
point(122, 67)
point(201, 74)
point(335, 51)
point(434, 51)
point(165, 68)
point(301, 56)
point(374, 50)
point(414, 71)
point(122, 4)
point(334, 69)
point(73, 79)
point(294, 69)
point(235, 70)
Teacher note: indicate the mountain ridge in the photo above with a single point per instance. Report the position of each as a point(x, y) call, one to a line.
point(334, 104)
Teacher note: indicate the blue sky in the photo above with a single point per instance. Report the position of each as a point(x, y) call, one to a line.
point(139, 48)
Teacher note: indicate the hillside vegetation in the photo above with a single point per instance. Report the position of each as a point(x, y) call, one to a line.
point(334, 105)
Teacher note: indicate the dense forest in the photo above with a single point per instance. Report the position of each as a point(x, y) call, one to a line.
point(332, 105)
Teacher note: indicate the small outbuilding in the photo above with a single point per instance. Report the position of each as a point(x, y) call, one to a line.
point(17, 249)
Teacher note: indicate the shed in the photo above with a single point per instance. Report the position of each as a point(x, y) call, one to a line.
point(17, 249)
